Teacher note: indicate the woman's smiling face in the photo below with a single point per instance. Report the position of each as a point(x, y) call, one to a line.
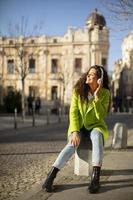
point(91, 77)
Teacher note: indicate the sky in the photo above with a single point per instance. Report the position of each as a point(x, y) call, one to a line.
point(55, 16)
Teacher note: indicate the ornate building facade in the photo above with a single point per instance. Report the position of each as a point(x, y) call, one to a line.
point(122, 77)
point(50, 66)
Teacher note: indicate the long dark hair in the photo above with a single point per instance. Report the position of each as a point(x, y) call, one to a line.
point(82, 88)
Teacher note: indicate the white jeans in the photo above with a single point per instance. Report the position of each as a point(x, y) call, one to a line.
point(97, 149)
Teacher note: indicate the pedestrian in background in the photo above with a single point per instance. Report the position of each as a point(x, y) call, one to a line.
point(37, 105)
point(89, 105)
point(30, 100)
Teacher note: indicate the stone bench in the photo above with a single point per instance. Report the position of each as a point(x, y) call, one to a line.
point(83, 153)
point(83, 166)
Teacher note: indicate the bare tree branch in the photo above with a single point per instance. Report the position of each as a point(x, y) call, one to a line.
point(22, 51)
point(121, 12)
point(21, 28)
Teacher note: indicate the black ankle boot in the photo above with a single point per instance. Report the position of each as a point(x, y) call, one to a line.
point(48, 184)
point(95, 178)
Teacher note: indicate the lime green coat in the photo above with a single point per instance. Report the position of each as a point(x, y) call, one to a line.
point(91, 115)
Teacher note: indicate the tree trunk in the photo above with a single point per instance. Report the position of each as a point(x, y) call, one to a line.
point(23, 100)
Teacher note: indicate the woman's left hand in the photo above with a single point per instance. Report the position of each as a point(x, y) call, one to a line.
point(75, 139)
point(98, 89)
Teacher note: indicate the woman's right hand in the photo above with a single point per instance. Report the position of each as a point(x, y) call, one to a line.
point(75, 139)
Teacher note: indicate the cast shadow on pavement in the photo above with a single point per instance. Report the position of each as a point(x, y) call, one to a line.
point(30, 153)
point(116, 184)
point(115, 172)
point(106, 185)
point(119, 183)
point(63, 187)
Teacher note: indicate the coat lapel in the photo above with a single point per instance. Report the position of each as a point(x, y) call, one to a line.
point(81, 109)
point(85, 107)
point(90, 105)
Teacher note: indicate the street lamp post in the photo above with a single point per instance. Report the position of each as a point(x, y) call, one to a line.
point(46, 52)
point(61, 80)
point(2, 53)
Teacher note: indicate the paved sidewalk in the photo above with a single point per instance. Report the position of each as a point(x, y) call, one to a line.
point(116, 180)
point(27, 153)
point(117, 185)
point(7, 122)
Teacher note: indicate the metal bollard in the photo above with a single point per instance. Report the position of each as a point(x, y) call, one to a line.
point(48, 116)
point(15, 118)
point(33, 114)
point(59, 116)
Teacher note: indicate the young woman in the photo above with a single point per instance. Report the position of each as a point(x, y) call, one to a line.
point(89, 105)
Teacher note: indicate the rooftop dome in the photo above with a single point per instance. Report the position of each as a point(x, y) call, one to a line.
point(95, 18)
